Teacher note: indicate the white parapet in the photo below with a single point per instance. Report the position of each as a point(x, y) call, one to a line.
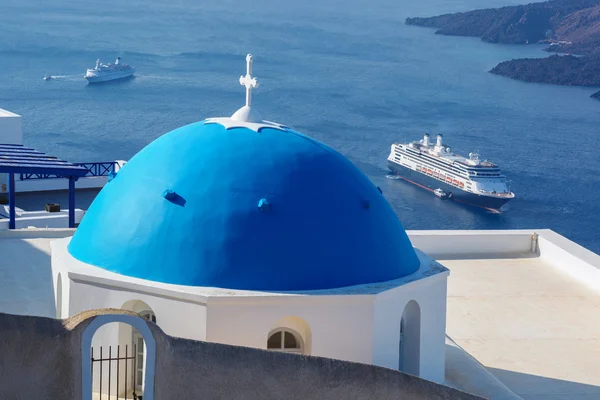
point(58, 184)
point(552, 248)
point(39, 219)
point(472, 243)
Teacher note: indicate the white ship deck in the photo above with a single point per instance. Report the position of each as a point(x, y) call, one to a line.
point(532, 319)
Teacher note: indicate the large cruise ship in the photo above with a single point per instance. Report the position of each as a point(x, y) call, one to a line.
point(434, 166)
point(108, 72)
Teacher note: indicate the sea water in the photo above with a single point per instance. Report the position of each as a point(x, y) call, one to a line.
point(348, 73)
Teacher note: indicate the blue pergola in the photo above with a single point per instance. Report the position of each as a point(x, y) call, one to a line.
point(18, 159)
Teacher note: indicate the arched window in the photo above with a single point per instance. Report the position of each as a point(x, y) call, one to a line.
point(285, 340)
point(409, 351)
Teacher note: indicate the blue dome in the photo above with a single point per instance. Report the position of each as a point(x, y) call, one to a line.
point(235, 208)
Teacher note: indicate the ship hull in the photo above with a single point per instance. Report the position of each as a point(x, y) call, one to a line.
point(430, 183)
point(109, 77)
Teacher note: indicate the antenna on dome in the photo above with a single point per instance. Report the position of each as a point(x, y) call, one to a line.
point(248, 81)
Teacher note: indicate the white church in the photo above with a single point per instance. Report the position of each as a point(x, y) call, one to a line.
point(242, 231)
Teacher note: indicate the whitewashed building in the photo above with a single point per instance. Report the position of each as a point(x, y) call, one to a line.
point(242, 231)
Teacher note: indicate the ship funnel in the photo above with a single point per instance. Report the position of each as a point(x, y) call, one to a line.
point(117, 60)
point(426, 140)
point(439, 141)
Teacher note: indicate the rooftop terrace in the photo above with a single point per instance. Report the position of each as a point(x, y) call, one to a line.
point(525, 307)
point(532, 318)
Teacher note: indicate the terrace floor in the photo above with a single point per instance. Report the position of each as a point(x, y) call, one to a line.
point(532, 325)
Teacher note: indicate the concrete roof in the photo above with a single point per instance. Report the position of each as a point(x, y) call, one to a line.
point(529, 322)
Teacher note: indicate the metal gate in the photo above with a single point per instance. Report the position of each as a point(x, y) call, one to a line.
point(106, 366)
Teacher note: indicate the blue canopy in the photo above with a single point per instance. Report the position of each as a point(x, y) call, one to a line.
point(18, 159)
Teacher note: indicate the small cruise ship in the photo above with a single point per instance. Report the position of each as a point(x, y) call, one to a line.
point(109, 72)
point(433, 166)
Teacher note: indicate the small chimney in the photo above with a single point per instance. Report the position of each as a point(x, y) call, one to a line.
point(426, 140)
point(439, 141)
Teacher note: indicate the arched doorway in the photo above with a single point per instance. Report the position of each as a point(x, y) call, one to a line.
point(409, 349)
point(86, 348)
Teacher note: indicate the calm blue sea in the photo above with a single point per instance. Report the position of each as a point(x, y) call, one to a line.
point(348, 73)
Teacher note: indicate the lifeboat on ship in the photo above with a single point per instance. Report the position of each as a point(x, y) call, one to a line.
point(439, 193)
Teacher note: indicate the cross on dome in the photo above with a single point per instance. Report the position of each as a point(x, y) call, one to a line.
point(248, 80)
point(247, 113)
point(246, 116)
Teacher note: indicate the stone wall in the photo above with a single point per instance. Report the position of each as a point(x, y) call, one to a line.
point(41, 358)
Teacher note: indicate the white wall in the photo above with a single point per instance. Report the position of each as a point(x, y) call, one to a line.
point(463, 242)
point(359, 328)
point(341, 326)
point(355, 327)
point(430, 294)
point(176, 317)
point(433, 333)
point(577, 261)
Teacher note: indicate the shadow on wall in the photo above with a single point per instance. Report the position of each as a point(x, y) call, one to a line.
point(44, 355)
point(464, 372)
point(532, 385)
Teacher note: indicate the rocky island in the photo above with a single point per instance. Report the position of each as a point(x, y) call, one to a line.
point(568, 26)
point(557, 70)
